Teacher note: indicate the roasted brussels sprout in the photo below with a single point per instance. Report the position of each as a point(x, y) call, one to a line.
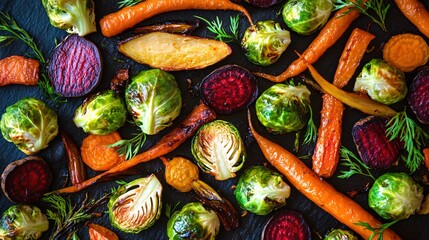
point(265, 44)
point(30, 124)
point(193, 221)
point(340, 234)
point(306, 16)
point(74, 16)
point(261, 190)
point(23, 222)
point(154, 100)
point(395, 196)
point(218, 149)
point(136, 206)
point(101, 113)
point(283, 108)
point(382, 82)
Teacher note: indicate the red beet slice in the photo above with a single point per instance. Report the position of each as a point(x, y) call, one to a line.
point(75, 67)
point(286, 225)
point(419, 96)
point(26, 180)
point(229, 89)
point(374, 148)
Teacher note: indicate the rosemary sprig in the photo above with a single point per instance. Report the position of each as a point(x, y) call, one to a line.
point(130, 147)
point(9, 25)
point(376, 230)
point(66, 215)
point(216, 28)
point(411, 134)
point(377, 6)
point(127, 3)
point(349, 159)
point(311, 133)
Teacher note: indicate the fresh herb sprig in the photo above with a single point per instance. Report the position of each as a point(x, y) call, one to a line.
point(411, 134)
point(376, 231)
point(216, 27)
point(130, 147)
point(66, 215)
point(366, 7)
point(311, 132)
point(10, 26)
point(356, 166)
point(128, 3)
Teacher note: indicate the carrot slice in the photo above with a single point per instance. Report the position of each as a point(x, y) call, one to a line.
point(327, 37)
point(327, 151)
point(416, 12)
point(317, 190)
point(406, 52)
point(19, 70)
point(96, 153)
point(98, 232)
point(426, 154)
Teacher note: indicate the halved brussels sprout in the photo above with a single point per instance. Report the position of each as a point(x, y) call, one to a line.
point(395, 196)
point(340, 234)
point(382, 82)
point(193, 221)
point(261, 190)
point(154, 100)
point(30, 124)
point(101, 113)
point(136, 206)
point(265, 44)
point(218, 149)
point(283, 108)
point(306, 16)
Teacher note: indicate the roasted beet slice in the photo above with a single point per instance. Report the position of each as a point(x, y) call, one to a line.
point(75, 67)
point(419, 95)
point(374, 148)
point(26, 180)
point(286, 225)
point(229, 89)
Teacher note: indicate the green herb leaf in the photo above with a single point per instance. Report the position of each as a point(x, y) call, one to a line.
point(376, 10)
point(128, 3)
point(411, 134)
point(311, 133)
point(170, 210)
point(376, 231)
point(130, 147)
point(356, 166)
point(216, 28)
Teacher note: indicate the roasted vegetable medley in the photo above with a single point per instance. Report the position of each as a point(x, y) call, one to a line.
point(218, 119)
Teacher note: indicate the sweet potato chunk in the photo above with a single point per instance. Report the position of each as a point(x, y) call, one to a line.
point(18, 70)
point(173, 52)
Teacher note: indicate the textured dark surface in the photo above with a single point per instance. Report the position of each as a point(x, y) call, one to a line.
point(31, 15)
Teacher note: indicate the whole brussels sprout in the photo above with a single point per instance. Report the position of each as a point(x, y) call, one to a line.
point(283, 108)
point(265, 44)
point(395, 196)
point(306, 16)
point(261, 190)
point(23, 222)
point(30, 124)
point(154, 100)
point(382, 82)
point(340, 234)
point(218, 149)
point(101, 113)
point(193, 221)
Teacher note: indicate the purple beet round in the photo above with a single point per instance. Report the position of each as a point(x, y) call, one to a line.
point(75, 67)
point(419, 96)
point(286, 225)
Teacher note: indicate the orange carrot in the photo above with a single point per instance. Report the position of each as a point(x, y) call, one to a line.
point(19, 70)
point(426, 155)
point(327, 151)
point(317, 190)
point(327, 37)
point(128, 17)
point(416, 12)
point(98, 232)
point(199, 116)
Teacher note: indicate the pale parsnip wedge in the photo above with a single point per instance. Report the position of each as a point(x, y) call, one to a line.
point(173, 52)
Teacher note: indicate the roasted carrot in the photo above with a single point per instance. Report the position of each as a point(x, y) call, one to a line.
point(77, 173)
point(98, 232)
point(317, 190)
point(199, 116)
point(128, 17)
point(19, 70)
point(327, 37)
point(426, 155)
point(416, 12)
point(327, 151)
